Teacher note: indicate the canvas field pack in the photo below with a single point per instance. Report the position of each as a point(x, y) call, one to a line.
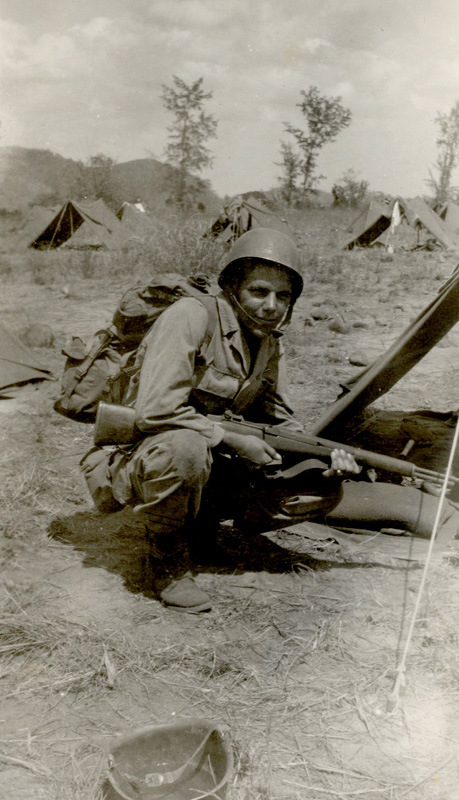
point(102, 370)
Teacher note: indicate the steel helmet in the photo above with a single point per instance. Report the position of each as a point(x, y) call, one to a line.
point(266, 244)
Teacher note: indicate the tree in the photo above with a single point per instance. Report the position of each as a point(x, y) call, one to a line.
point(188, 134)
point(325, 117)
point(349, 191)
point(447, 159)
point(95, 177)
point(292, 170)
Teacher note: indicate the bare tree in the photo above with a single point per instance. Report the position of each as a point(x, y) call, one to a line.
point(447, 159)
point(188, 135)
point(325, 117)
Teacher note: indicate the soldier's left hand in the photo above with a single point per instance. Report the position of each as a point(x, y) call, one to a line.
point(342, 464)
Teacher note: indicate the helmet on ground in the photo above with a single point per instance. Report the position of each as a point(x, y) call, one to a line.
point(265, 244)
point(171, 761)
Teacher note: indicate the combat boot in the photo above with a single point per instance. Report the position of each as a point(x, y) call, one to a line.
point(169, 578)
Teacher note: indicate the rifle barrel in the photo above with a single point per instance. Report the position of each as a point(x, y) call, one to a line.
point(286, 441)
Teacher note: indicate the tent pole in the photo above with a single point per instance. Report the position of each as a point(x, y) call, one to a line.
point(57, 226)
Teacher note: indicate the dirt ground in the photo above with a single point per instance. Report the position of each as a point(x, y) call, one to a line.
point(297, 661)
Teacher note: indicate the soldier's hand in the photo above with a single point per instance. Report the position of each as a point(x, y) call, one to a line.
point(343, 464)
point(252, 449)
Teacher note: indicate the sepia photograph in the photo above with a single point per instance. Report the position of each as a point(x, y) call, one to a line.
point(229, 474)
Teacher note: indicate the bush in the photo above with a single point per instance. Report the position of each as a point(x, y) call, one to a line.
point(349, 191)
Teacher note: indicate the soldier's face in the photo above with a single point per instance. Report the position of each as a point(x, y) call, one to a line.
point(265, 294)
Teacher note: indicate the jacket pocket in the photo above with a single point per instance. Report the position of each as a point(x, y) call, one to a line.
point(219, 383)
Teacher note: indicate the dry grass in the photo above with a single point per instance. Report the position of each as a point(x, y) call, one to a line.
point(298, 667)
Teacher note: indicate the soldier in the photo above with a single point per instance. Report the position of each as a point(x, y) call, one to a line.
point(176, 475)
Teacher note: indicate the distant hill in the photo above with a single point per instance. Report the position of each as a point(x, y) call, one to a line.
point(29, 176)
point(148, 181)
point(39, 177)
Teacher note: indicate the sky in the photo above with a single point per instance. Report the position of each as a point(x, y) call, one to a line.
point(82, 77)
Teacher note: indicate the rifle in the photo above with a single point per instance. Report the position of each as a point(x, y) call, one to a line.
point(115, 425)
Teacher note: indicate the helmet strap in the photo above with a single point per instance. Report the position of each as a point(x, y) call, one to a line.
point(245, 316)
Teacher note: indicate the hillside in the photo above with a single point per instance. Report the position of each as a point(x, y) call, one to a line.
point(39, 177)
point(148, 180)
point(29, 177)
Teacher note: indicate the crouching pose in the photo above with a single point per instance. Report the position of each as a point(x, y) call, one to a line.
point(195, 363)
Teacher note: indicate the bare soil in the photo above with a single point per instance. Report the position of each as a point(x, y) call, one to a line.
point(298, 658)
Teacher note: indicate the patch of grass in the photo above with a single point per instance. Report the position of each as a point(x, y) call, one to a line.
point(40, 267)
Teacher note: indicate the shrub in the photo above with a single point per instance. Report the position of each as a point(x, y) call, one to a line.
point(349, 191)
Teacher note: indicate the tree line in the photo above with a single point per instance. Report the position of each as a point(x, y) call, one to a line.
point(324, 117)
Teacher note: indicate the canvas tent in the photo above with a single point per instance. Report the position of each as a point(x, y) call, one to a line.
point(130, 209)
point(36, 220)
point(17, 364)
point(82, 225)
point(450, 216)
point(370, 223)
point(241, 214)
point(135, 219)
point(381, 223)
point(421, 335)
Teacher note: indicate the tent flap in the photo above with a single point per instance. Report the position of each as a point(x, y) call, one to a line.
point(421, 335)
point(17, 363)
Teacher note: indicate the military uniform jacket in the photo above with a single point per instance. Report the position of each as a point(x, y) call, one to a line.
point(180, 376)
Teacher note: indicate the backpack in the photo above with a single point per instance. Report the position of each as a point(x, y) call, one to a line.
point(102, 371)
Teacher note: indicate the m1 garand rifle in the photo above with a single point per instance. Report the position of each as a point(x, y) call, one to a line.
point(115, 425)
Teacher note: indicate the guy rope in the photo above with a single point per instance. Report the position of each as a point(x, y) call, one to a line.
point(394, 697)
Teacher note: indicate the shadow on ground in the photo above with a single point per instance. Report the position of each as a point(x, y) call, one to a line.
point(117, 543)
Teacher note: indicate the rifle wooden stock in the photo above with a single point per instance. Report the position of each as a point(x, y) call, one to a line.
point(115, 425)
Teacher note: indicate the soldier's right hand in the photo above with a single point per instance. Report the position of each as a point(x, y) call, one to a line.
point(252, 449)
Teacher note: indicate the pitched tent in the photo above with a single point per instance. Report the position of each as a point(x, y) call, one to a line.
point(82, 225)
point(132, 209)
point(450, 216)
point(241, 214)
point(371, 222)
point(417, 212)
point(421, 335)
point(17, 364)
point(37, 219)
point(376, 222)
point(135, 219)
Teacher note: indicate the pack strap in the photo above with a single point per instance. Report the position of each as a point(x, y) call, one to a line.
point(209, 302)
point(103, 338)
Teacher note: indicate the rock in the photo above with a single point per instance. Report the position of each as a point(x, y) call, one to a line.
point(309, 322)
point(359, 359)
point(361, 323)
point(338, 325)
point(38, 335)
point(323, 312)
